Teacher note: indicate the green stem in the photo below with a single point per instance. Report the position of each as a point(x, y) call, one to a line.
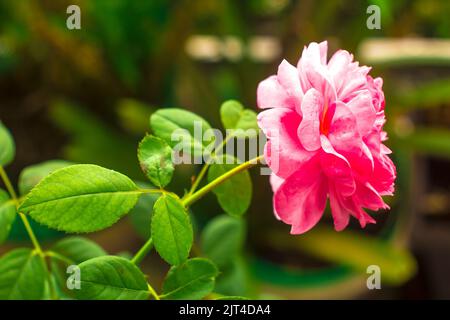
point(145, 249)
point(25, 221)
point(137, 259)
point(198, 179)
point(59, 257)
point(153, 292)
point(8, 184)
point(30, 232)
point(202, 173)
point(219, 180)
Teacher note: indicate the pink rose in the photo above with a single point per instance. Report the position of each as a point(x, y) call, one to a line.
point(324, 124)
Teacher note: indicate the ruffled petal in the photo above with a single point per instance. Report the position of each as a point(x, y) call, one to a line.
point(275, 182)
point(341, 216)
point(344, 134)
point(301, 198)
point(309, 129)
point(289, 78)
point(361, 106)
point(336, 168)
point(312, 66)
point(271, 94)
point(283, 152)
point(384, 175)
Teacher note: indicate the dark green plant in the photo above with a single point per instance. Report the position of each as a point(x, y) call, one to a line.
point(84, 198)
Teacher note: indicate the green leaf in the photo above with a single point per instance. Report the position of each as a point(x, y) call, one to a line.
point(78, 249)
point(81, 198)
point(32, 175)
point(235, 117)
point(194, 279)
point(7, 146)
point(75, 250)
point(7, 215)
point(22, 275)
point(111, 278)
point(171, 230)
point(141, 214)
point(235, 194)
point(165, 122)
point(222, 239)
point(155, 158)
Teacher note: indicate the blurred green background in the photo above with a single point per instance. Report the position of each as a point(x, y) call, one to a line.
point(86, 95)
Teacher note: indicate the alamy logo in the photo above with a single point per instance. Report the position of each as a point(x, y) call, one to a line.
point(74, 20)
point(74, 280)
point(374, 280)
point(374, 20)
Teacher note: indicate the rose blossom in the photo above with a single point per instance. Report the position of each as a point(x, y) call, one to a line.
point(324, 124)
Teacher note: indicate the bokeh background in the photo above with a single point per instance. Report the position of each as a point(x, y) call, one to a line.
point(86, 95)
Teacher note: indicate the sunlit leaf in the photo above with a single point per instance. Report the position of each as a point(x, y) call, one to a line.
point(155, 158)
point(111, 278)
point(238, 119)
point(172, 231)
point(178, 126)
point(32, 175)
point(81, 198)
point(78, 249)
point(22, 275)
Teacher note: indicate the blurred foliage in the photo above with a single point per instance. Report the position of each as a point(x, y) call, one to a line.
point(99, 84)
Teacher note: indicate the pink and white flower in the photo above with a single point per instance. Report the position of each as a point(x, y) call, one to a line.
point(324, 123)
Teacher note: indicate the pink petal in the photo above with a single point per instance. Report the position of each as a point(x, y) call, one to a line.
point(341, 216)
point(361, 106)
point(338, 66)
point(271, 94)
point(352, 206)
point(312, 64)
point(289, 78)
point(309, 129)
point(323, 49)
point(369, 198)
point(275, 182)
point(384, 175)
point(353, 81)
point(301, 199)
point(344, 135)
point(336, 168)
point(284, 152)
